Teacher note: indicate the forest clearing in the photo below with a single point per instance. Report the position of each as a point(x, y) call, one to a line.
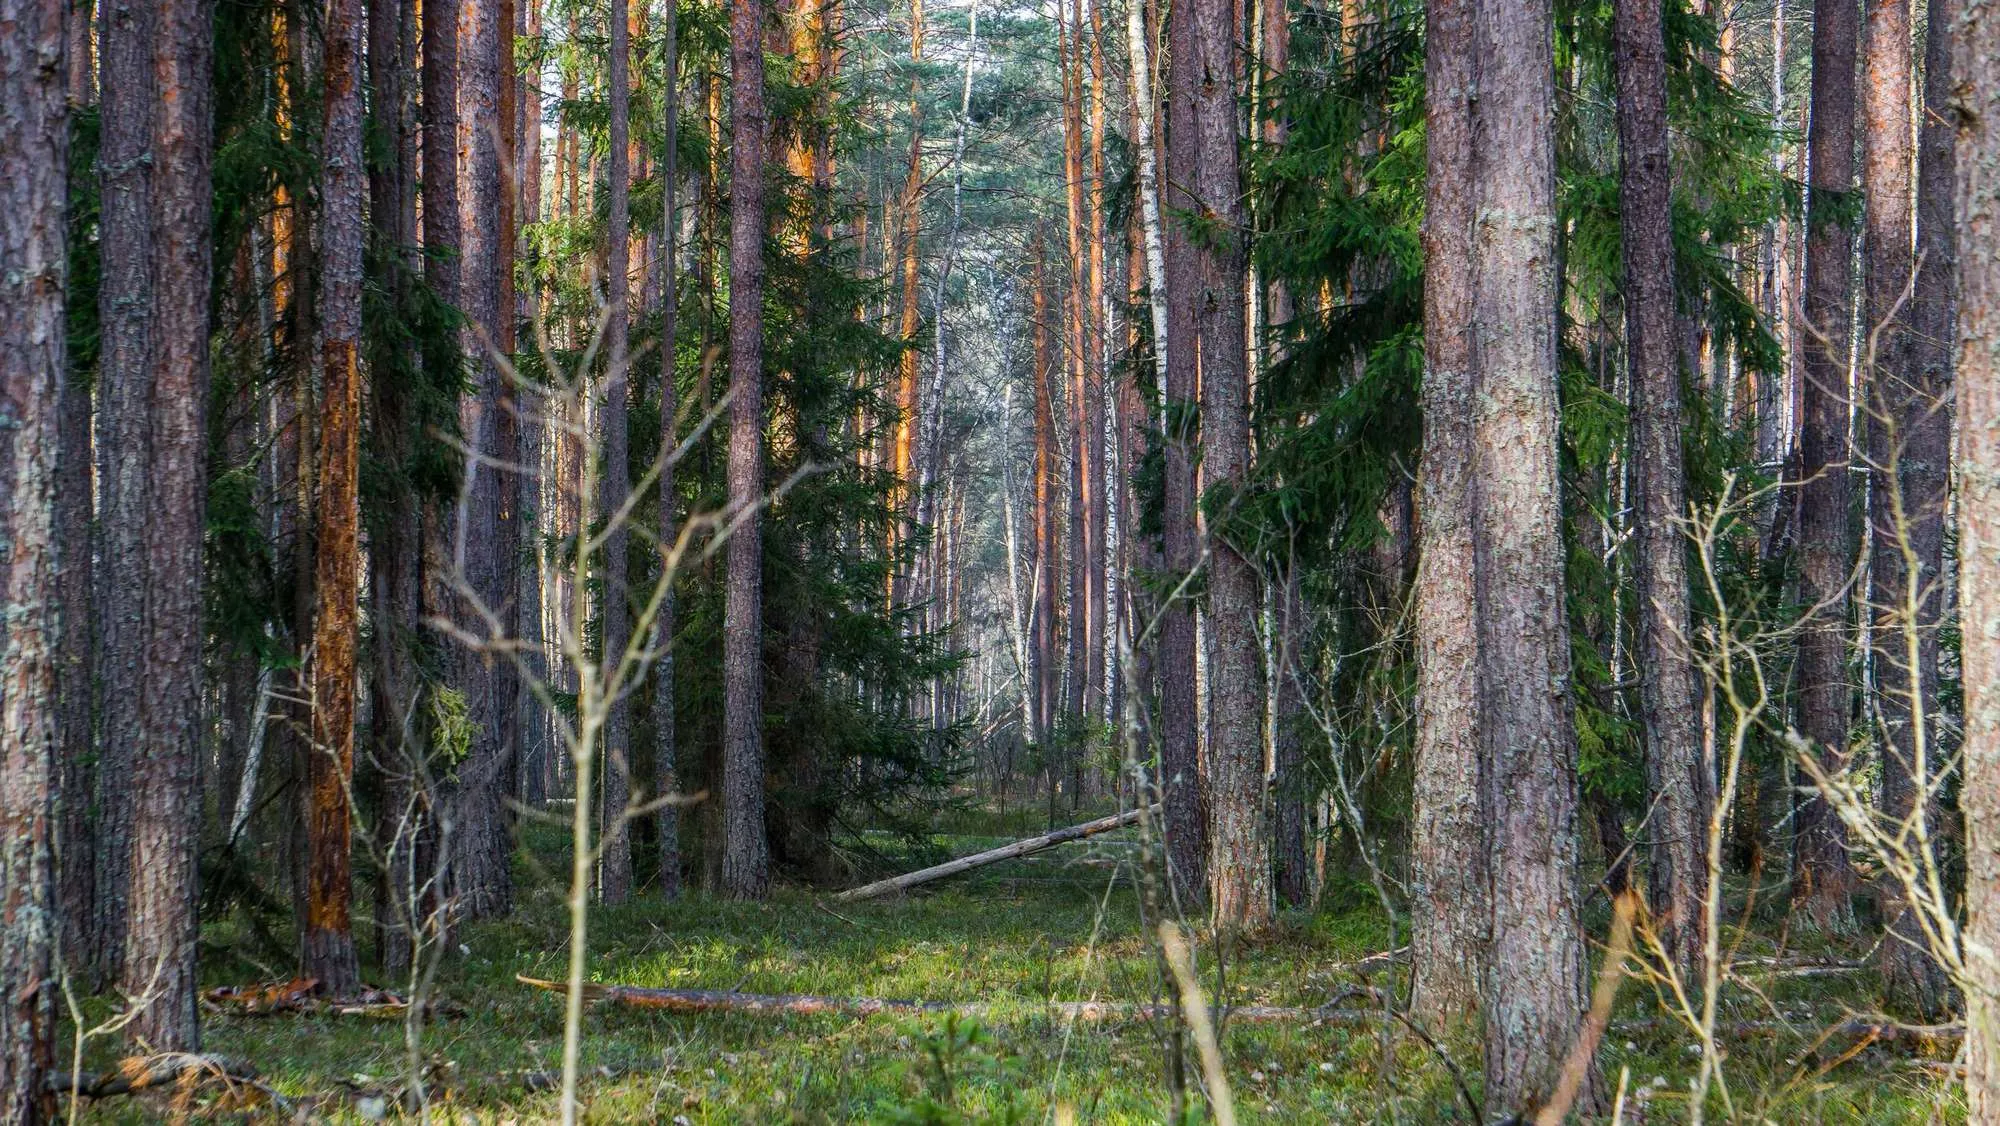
point(1000, 560)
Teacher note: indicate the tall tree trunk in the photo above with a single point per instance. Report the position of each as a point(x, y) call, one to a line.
point(482, 852)
point(1825, 878)
point(1533, 989)
point(327, 938)
point(1042, 652)
point(1091, 428)
point(614, 866)
point(746, 869)
point(1905, 540)
point(34, 146)
point(903, 498)
point(1184, 805)
point(126, 164)
point(1678, 779)
point(159, 963)
point(1450, 891)
point(1239, 872)
point(1977, 98)
point(76, 753)
point(666, 748)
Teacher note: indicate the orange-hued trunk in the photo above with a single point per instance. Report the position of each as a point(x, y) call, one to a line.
point(1042, 655)
point(906, 381)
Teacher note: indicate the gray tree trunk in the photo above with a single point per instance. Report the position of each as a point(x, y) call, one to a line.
point(1679, 780)
point(746, 868)
point(614, 866)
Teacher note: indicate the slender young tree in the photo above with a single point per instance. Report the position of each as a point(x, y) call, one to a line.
point(34, 145)
point(1824, 886)
point(1678, 779)
point(666, 747)
point(614, 867)
point(327, 938)
point(1977, 99)
point(746, 865)
point(1042, 651)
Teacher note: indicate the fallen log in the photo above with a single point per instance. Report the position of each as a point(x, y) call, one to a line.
point(994, 855)
point(806, 1004)
point(139, 1074)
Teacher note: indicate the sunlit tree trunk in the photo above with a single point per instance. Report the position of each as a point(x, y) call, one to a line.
point(1048, 550)
point(1977, 99)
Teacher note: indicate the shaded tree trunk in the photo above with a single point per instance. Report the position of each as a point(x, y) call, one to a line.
point(614, 865)
point(1184, 805)
point(666, 747)
point(1909, 446)
point(159, 962)
point(1679, 781)
point(1824, 882)
point(486, 534)
point(327, 937)
point(34, 147)
point(746, 868)
point(1239, 862)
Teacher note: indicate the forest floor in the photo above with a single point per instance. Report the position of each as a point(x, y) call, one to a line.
point(1062, 926)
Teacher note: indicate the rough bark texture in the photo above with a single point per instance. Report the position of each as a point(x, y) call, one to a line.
point(1181, 791)
point(487, 529)
point(614, 866)
point(1239, 872)
point(34, 147)
point(125, 316)
point(1448, 861)
point(1533, 991)
point(746, 869)
point(159, 963)
point(327, 937)
point(76, 750)
point(1977, 98)
point(1909, 449)
point(1678, 779)
point(1825, 879)
point(666, 748)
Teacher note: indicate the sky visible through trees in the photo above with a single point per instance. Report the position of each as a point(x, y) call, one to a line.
point(1456, 530)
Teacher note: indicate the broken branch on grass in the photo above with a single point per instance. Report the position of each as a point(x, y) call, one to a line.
point(995, 855)
point(805, 1004)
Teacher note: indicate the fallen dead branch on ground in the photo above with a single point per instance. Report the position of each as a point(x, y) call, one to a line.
point(142, 1073)
point(806, 1004)
point(994, 855)
point(302, 995)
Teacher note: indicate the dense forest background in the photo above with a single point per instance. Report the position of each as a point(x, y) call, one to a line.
point(1501, 487)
